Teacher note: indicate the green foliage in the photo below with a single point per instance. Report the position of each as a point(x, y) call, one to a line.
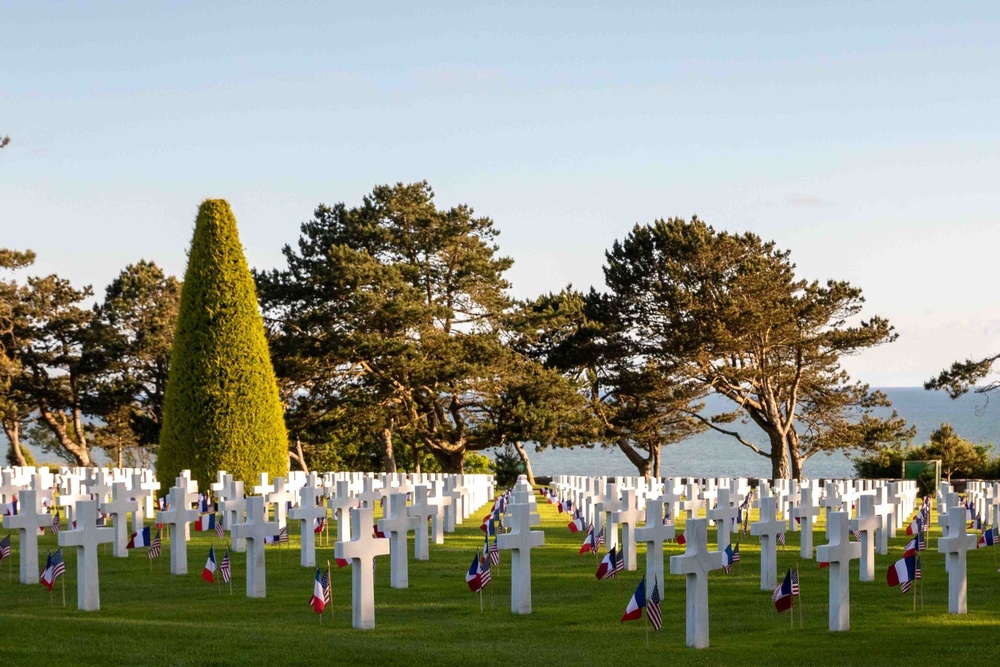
point(507, 466)
point(221, 407)
point(478, 464)
point(713, 311)
point(957, 455)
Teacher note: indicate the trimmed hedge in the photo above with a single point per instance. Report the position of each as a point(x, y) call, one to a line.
point(221, 409)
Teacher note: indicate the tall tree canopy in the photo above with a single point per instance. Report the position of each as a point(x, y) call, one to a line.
point(395, 312)
point(724, 313)
point(221, 409)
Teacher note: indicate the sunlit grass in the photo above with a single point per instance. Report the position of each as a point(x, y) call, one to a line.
point(150, 617)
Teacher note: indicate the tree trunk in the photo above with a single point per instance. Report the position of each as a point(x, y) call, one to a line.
point(79, 450)
point(656, 460)
point(519, 447)
point(388, 457)
point(451, 460)
point(16, 455)
point(298, 456)
point(794, 455)
point(779, 456)
point(642, 463)
point(417, 454)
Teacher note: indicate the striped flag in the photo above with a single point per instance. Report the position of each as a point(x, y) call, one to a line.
point(154, 546)
point(55, 522)
point(224, 567)
point(484, 571)
point(5, 548)
point(653, 607)
point(620, 561)
point(54, 568)
point(795, 582)
point(494, 552)
point(857, 534)
point(219, 530)
point(327, 587)
point(736, 553)
point(318, 600)
point(781, 539)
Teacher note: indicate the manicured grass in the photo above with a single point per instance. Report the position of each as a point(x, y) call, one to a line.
point(156, 619)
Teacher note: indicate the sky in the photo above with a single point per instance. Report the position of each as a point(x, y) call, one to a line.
point(861, 136)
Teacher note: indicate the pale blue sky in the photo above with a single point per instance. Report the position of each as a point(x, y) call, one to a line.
point(862, 136)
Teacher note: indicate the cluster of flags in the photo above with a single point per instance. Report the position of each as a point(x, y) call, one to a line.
point(322, 591)
point(638, 602)
point(282, 536)
point(479, 575)
point(54, 568)
point(612, 563)
point(786, 592)
point(144, 538)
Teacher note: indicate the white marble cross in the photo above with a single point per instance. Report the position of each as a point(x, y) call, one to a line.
point(692, 500)
point(69, 495)
point(628, 517)
point(255, 531)
point(866, 524)
point(307, 513)
point(884, 510)
point(422, 511)
point(190, 497)
point(279, 497)
point(361, 550)
point(369, 494)
point(696, 563)
point(653, 535)
point(604, 507)
point(27, 521)
point(724, 515)
point(768, 529)
point(520, 540)
point(86, 538)
point(831, 500)
point(839, 553)
point(955, 546)
point(180, 517)
point(118, 509)
point(395, 526)
point(340, 504)
point(233, 509)
point(140, 494)
point(805, 512)
point(441, 502)
point(263, 488)
point(671, 498)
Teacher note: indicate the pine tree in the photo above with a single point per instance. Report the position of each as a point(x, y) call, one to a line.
point(221, 408)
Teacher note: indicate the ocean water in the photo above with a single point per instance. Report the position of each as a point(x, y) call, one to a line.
point(712, 454)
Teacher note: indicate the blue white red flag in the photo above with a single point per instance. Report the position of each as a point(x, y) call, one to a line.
point(139, 539)
point(782, 596)
point(208, 572)
point(472, 578)
point(318, 600)
point(633, 611)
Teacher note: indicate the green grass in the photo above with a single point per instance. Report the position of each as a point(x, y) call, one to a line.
point(154, 618)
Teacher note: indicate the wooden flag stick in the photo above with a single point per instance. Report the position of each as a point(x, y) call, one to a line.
point(64, 588)
point(329, 578)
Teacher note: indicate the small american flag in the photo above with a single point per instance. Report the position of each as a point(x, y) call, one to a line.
point(653, 607)
point(857, 534)
point(55, 522)
point(327, 588)
point(736, 553)
point(283, 535)
point(494, 552)
point(600, 538)
point(795, 582)
point(781, 539)
point(916, 569)
point(904, 586)
point(484, 572)
point(224, 567)
point(5, 548)
point(219, 530)
point(154, 547)
point(620, 561)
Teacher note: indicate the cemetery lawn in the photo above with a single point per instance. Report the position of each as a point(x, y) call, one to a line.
point(151, 618)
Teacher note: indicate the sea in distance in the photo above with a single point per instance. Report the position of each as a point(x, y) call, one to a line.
point(711, 454)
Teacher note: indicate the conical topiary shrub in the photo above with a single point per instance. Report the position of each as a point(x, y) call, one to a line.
point(221, 408)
